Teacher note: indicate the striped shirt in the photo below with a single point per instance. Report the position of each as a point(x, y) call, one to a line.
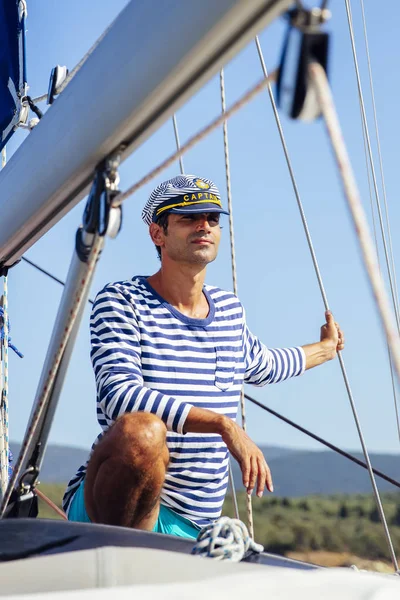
point(148, 356)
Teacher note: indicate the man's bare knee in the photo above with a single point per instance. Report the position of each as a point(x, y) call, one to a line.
point(139, 434)
point(127, 470)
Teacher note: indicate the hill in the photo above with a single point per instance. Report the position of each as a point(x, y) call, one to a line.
point(295, 472)
point(302, 473)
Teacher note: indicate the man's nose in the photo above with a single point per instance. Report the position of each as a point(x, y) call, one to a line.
point(202, 224)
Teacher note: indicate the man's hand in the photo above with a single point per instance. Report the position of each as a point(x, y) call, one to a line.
point(250, 458)
point(331, 334)
point(332, 341)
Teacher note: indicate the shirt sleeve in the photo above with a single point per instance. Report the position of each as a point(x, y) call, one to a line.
point(116, 359)
point(270, 365)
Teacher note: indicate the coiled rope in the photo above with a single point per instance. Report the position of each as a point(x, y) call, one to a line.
point(225, 539)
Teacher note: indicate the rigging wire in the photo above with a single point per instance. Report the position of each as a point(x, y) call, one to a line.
point(53, 277)
point(300, 428)
point(42, 403)
point(379, 148)
point(296, 426)
point(75, 70)
point(4, 449)
point(178, 144)
point(325, 301)
point(200, 135)
point(249, 507)
point(375, 184)
point(394, 391)
point(360, 222)
point(374, 229)
point(322, 441)
point(230, 472)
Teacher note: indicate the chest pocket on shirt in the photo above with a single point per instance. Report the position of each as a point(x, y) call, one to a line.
point(225, 368)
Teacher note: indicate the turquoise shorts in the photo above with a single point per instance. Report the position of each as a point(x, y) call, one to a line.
point(168, 521)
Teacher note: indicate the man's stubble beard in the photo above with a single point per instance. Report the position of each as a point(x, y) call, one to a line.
point(194, 258)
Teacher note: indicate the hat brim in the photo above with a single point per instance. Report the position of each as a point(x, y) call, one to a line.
point(198, 208)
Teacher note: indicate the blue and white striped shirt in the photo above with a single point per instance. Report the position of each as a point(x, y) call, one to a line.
point(147, 356)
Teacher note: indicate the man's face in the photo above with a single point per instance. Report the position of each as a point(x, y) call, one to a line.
point(191, 238)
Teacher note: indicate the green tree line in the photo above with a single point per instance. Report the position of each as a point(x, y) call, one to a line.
point(333, 523)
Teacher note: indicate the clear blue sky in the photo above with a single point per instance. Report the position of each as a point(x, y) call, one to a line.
point(276, 280)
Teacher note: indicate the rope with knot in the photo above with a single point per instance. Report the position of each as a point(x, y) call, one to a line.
point(2, 333)
point(225, 539)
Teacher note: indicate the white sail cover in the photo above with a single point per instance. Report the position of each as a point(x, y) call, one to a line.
point(149, 574)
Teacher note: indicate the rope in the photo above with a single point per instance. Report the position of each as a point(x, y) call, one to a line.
point(375, 184)
point(243, 100)
point(4, 451)
point(361, 227)
point(225, 539)
point(3, 461)
point(3, 388)
point(43, 400)
point(4, 332)
point(249, 507)
point(230, 472)
point(50, 503)
point(347, 455)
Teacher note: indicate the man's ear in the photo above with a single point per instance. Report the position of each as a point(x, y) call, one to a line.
point(156, 234)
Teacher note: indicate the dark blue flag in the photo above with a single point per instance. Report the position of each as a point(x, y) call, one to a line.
point(12, 65)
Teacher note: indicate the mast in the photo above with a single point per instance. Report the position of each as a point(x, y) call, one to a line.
point(131, 83)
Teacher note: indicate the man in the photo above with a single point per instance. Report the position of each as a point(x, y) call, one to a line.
point(170, 355)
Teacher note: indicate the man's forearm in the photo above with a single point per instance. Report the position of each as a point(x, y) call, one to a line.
point(201, 420)
point(318, 353)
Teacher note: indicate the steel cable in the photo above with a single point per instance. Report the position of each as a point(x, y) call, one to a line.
point(318, 77)
point(230, 473)
point(249, 507)
point(375, 184)
point(321, 440)
point(243, 100)
point(325, 301)
point(374, 229)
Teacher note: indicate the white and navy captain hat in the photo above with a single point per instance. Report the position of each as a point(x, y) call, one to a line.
point(183, 194)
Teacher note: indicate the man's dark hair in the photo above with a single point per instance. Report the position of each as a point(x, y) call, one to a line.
point(162, 222)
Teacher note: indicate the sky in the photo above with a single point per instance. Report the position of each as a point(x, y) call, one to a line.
point(276, 281)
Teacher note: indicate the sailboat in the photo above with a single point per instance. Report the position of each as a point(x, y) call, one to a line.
point(135, 101)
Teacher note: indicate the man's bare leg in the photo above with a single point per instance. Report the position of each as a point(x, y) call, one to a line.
point(126, 473)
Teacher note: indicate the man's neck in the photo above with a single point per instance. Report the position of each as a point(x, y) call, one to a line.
point(182, 287)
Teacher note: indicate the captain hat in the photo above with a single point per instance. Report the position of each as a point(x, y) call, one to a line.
point(183, 194)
